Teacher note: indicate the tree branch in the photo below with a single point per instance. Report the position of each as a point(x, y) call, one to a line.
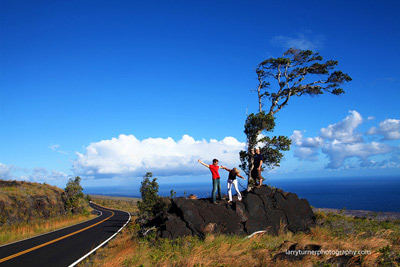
point(258, 91)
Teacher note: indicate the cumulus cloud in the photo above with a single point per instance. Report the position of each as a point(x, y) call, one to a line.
point(306, 147)
point(301, 41)
point(306, 153)
point(390, 129)
point(340, 141)
point(338, 152)
point(308, 142)
point(344, 131)
point(126, 155)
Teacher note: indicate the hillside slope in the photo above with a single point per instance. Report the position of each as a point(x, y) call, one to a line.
point(23, 201)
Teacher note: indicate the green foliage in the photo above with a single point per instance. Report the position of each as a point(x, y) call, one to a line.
point(298, 72)
point(74, 194)
point(254, 126)
point(149, 193)
point(256, 123)
point(388, 257)
point(271, 149)
point(341, 225)
point(151, 202)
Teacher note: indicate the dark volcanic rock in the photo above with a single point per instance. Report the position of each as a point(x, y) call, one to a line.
point(261, 209)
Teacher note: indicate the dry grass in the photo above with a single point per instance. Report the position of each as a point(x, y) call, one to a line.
point(25, 201)
point(221, 250)
point(9, 234)
point(120, 203)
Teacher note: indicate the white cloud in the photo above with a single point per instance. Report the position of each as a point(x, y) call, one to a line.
point(338, 152)
point(6, 171)
point(390, 129)
point(40, 175)
point(35, 175)
point(301, 41)
point(306, 153)
point(126, 155)
point(308, 142)
point(344, 131)
point(56, 149)
point(340, 141)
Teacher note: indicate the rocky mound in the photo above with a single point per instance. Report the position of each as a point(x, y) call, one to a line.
point(24, 201)
point(263, 208)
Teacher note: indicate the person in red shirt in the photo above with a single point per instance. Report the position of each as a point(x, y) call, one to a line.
point(214, 168)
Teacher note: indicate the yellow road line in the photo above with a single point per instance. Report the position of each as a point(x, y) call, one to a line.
point(53, 241)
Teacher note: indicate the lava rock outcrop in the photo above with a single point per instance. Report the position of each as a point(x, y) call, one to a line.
point(263, 208)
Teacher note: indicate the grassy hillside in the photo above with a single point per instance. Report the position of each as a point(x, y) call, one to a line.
point(334, 234)
point(28, 209)
point(23, 201)
point(120, 203)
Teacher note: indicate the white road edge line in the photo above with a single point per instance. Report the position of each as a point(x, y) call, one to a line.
point(102, 244)
point(101, 213)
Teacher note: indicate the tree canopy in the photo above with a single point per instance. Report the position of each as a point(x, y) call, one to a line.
point(296, 73)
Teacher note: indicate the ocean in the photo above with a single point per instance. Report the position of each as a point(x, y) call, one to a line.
point(359, 193)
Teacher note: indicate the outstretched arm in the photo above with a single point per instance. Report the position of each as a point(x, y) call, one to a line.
point(225, 168)
point(240, 176)
point(202, 163)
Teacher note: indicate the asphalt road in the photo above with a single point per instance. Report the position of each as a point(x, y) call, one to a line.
point(66, 246)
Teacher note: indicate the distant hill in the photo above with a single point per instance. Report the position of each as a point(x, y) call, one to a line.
point(23, 201)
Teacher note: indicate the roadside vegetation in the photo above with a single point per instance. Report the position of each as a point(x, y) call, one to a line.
point(28, 209)
point(119, 203)
point(16, 232)
point(334, 232)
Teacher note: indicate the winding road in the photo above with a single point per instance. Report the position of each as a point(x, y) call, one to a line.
point(67, 246)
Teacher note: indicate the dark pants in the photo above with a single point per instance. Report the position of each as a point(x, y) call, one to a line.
point(216, 185)
point(256, 175)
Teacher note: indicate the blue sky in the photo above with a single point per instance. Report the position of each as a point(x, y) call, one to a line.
point(109, 90)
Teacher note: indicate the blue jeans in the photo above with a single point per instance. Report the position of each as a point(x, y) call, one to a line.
point(216, 185)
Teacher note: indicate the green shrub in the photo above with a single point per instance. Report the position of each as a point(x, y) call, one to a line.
point(151, 203)
point(74, 196)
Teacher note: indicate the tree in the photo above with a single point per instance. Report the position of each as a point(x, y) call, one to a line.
point(270, 148)
point(296, 73)
point(150, 206)
point(150, 198)
point(73, 192)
